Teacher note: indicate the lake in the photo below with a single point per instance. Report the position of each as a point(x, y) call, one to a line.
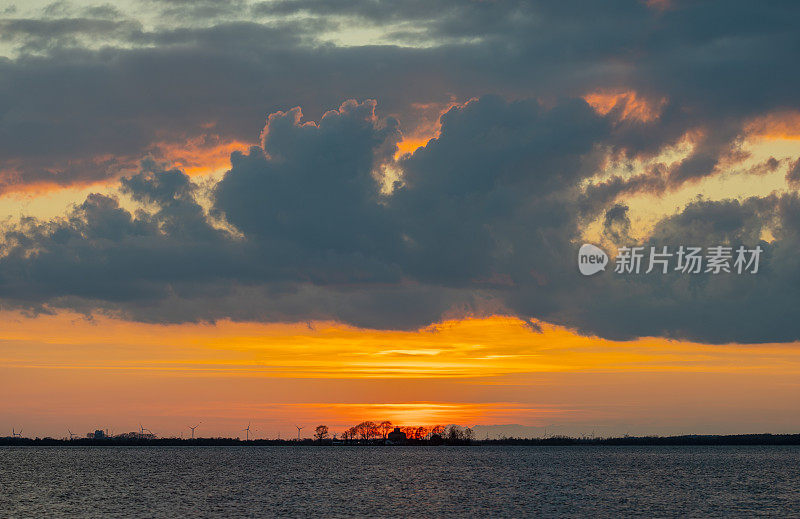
point(399, 481)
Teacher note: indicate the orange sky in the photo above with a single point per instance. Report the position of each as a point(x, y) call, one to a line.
point(64, 371)
point(97, 89)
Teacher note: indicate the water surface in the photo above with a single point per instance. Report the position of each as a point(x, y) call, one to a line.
point(400, 481)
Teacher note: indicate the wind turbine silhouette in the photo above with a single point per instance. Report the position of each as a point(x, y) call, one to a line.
point(196, 426)
point(71, 435)
point(248, 431)
point(298, 431)
point(142, 430)
point(15, 434)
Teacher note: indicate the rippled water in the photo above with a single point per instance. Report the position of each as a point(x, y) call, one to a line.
point(402, 481)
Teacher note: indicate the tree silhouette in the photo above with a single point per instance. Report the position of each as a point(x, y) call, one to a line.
point(410, 432)
point(367, 430)
point(321, 432)
point(469, 435)
point(385, 428)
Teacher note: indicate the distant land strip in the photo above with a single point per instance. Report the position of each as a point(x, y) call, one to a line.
point(683, 440)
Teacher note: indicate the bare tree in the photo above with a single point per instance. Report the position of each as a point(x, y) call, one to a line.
point(453, 433)
point(374, 430)
point(367, 430)
point(469, 434)
point(321, 432)
point(385, 428)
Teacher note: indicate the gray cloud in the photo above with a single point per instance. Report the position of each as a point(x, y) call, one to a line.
point(485, 217)
point(709, 60)
point(617, 224)
point(487, 220)
point(710, 308)
point(199, 9)
point(793, 176)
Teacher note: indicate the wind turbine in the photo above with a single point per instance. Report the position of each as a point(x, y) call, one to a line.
point(248, 431)
point(298, 431)
point(71, 435)
point(15, 434)
point(198, 424)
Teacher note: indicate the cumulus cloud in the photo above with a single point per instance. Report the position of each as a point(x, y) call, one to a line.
point(486, 219)
point(705, 307)
point(703, 64)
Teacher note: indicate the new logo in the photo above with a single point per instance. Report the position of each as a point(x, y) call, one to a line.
point(591, 259)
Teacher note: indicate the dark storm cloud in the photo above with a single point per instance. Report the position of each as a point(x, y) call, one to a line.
point(491, 190)
point(103, 252)
point(415, 19)
point(484, 218)
point(41, 35)
point(83, 115)
point(714, 308)
point(485, 221)
point(328, 167)
point(316, 228)
point(230, 37)
point(317, 244)
point(716, 64)
point(22, 28)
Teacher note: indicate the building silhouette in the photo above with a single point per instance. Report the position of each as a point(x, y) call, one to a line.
point(396, 437)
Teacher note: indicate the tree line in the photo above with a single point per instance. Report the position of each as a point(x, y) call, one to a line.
point(370, 431)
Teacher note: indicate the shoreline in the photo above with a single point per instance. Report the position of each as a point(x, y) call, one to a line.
point(556, 441)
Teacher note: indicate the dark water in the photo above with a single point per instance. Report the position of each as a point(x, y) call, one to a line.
point(403, 481)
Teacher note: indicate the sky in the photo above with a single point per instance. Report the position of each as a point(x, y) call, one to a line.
point(294, 212)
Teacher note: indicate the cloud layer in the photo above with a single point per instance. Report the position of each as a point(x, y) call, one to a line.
point(322, 218)
point(89, 90)
point(486, 218)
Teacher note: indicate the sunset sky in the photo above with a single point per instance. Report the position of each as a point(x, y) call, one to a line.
point(300, 212)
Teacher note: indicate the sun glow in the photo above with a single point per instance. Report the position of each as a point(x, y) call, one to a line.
point(491, 370)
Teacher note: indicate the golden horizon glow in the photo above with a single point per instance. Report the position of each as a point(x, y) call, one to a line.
point(471, 347)
point(487, 371)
